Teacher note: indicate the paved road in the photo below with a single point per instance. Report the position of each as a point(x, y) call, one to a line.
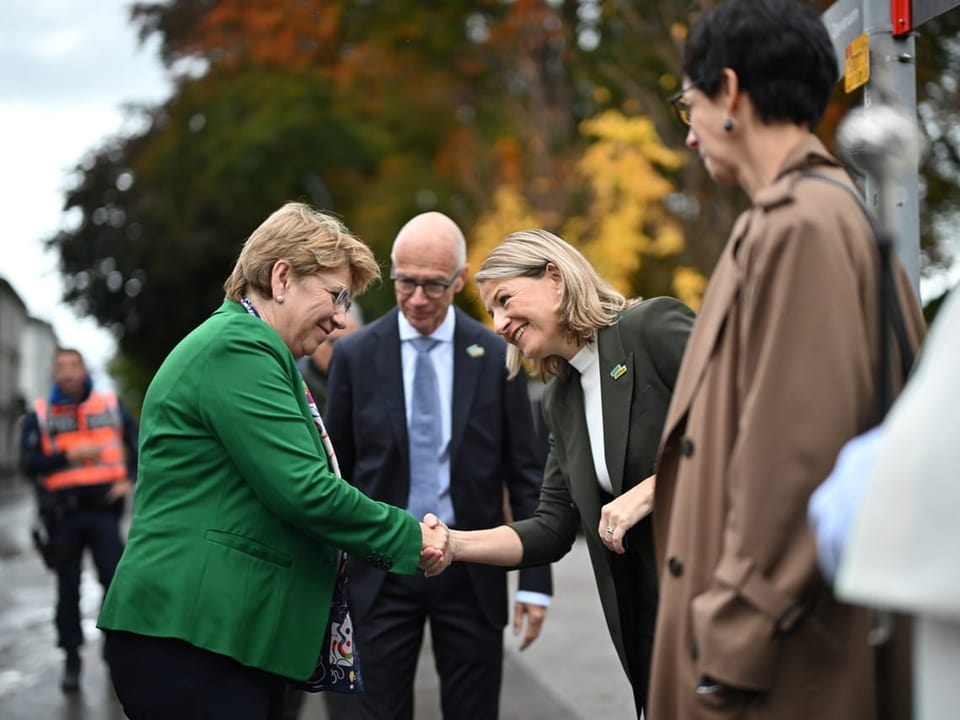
point(570, 673)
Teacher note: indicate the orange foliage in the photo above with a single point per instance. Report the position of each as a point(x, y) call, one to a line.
point(271, 33)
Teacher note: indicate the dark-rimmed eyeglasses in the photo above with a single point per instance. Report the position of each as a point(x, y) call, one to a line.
point(431, 288)
point(341, 298)
point(680, 105)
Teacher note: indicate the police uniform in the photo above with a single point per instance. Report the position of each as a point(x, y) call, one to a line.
point(72, 497)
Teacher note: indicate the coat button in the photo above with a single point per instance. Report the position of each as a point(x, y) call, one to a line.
point(387, 564)
point(675, 567)
point(686, 447)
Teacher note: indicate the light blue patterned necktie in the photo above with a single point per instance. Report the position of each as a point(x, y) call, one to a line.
point(424, 433)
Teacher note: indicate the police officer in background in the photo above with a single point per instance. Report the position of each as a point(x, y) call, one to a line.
point(72, 449)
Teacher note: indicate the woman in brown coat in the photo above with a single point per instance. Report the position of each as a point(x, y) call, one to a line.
point(779, 372)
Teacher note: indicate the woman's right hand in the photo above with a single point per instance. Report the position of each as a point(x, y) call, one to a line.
point(437, 553)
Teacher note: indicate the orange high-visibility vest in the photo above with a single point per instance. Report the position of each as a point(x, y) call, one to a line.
point(96, 420)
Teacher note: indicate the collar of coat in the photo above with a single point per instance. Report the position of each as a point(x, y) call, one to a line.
point(806, 154)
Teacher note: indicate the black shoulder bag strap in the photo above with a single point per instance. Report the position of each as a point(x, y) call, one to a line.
point(890, 309)
point(885, 628)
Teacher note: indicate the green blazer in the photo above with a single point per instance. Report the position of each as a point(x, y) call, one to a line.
point(238, 516)
point(648, 340)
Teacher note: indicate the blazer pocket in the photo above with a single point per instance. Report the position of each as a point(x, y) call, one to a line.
point(248, 547)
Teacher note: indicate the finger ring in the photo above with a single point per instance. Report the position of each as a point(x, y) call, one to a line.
point(611, 530)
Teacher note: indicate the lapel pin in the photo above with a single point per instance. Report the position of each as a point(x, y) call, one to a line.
point(618, 371)
point(475, 351)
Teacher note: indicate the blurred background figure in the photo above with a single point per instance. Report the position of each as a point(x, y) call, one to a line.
point(224, 593)
point(79, 448)
point(315, 367)
point(611, 364)
point(887, 516)
point(779, 373)
point(423, 416)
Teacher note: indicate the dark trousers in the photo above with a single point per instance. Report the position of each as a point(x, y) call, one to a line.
point(468, 651)
point(70, 535)
point(635, 578)
point(168, 679)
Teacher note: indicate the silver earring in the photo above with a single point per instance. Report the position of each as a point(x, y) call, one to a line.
point(728, 125)
point(279, 298)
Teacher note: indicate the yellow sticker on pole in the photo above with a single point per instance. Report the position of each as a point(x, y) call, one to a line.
point(856, 63)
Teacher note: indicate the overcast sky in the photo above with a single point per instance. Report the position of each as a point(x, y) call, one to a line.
point(66, 69)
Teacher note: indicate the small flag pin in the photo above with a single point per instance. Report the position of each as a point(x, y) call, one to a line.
point(618, 371)
point(475, 351)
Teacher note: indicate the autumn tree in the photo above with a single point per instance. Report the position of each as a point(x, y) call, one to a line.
point(620, 224)
point(501, 114)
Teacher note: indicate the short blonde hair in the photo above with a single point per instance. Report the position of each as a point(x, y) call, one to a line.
point(311, 241)
point(587, 303)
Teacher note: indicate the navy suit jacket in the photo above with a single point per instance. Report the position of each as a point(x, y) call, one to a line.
point(493, 443)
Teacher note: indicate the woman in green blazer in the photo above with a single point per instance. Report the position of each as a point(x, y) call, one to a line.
point(612, 364)
point(224, 589)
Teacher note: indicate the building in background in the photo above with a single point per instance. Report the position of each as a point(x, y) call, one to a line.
point(26, 356)
point(38, 344)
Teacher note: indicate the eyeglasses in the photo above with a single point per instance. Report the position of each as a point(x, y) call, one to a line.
point(433, 289)
point(680, 105)
point(341, 298)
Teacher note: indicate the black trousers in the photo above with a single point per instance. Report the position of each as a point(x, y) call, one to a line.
point(467, 650)
point(635, 578)
point(168, 679)
point(70, 535)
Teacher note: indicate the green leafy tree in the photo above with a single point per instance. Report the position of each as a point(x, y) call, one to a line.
point(162, 214)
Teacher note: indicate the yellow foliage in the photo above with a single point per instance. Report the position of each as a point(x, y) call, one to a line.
point(510, 213)
point(638, 133)
point(624, 220)
point(688, 285)
point(668, 241)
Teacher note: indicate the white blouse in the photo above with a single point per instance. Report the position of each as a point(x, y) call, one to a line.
point(587, 363)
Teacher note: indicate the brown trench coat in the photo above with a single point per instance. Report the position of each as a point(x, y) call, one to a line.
point(779, 372)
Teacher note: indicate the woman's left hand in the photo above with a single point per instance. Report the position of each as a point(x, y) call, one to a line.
point(622, 513)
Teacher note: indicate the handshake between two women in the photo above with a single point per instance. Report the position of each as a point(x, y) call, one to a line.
point(499, 546)
point(437, 552)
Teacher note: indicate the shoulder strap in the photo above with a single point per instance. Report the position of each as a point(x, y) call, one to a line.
point(899, 327)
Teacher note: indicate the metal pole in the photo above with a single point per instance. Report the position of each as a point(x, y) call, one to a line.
point(893, 80)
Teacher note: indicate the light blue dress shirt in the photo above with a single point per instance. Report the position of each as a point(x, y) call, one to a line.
point(442, 356)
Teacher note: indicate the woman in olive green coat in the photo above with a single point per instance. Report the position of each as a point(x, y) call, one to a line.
point(612, 364)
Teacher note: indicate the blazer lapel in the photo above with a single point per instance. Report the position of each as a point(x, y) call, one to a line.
point(616, 394)
point(572, 424)
point(389, 365)
point(466, 373)
point(717, 302)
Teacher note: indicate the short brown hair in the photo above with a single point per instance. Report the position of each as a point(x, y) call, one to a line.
point(311, 241)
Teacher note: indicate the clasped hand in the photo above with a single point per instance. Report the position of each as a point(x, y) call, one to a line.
point(437, 552)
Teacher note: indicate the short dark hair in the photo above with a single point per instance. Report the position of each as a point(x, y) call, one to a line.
point(780, 50)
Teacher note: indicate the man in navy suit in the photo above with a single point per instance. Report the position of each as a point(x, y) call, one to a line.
point(485, 441)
